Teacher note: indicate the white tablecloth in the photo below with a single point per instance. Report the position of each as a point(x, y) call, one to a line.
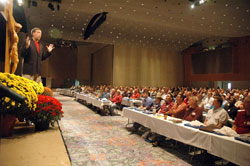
point(221, 146)
point(66, 92)
point(93, 100)
point(131, 102)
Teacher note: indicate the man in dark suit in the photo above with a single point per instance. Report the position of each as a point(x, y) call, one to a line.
point(33, 53)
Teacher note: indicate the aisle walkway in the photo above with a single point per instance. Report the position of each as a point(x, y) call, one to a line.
point(94, 140)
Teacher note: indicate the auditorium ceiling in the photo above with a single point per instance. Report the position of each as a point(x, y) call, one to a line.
point(150, 23)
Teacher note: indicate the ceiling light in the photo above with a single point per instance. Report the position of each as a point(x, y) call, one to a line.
point(201, 1)
point(4, 1)
point(20, 2)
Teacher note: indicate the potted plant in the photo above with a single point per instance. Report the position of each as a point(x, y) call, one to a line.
point(47, 92)
point(10, 109)
point(48, 111)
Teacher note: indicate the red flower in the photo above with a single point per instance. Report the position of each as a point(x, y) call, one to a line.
point(49, 107)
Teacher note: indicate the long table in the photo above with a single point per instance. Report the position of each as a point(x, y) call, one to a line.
point(131, 102)
point(222, 146)
point(93, 100)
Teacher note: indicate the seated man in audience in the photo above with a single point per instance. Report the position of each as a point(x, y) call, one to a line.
point(217, 116)
point(200, 101)
point(179, 108)
point(242, 121)
point(193, 112)
point(167, 105)
point(231, 109)
point(188, 95)
point(208, 101)
point(107, 94)
point(238, 104)
point(157, 103)
point(117, 100)
point(112, 94)
point(147, 102)
point(135, 95)
point(225, 102)
point(101, 93)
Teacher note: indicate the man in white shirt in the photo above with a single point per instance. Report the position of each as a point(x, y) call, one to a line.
point(208, 101)
point(217, 116)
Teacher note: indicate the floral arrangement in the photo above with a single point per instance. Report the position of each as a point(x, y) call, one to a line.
point(22, 86)
point(47, 92)
point(48, 110)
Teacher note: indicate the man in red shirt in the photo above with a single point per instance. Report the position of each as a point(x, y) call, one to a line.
point(117, 100)
point(242, 121)
point(136, 94)
point(167, 105)
point(193, 112)
point(178, 110)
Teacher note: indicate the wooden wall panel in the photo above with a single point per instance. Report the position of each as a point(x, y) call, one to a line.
point(139, 66)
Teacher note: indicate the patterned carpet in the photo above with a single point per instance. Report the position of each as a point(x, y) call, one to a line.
point(94, 140)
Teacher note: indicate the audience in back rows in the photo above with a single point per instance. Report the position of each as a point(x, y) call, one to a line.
point(185, 103)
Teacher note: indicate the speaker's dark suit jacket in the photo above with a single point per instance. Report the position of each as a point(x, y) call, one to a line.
point(32, 60)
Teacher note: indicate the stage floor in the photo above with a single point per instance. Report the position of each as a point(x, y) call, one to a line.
point(28, 148)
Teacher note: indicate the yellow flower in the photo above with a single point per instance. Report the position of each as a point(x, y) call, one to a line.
point(7, 99)
point(13, 103)
point(25, 87)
